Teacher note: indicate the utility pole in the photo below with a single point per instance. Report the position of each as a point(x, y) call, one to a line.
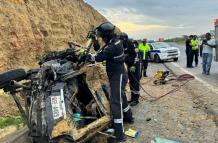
point(216, 37)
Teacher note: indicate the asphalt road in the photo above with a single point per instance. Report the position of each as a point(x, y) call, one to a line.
point(211, 79)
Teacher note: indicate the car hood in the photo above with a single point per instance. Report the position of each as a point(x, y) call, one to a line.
point(169, 49)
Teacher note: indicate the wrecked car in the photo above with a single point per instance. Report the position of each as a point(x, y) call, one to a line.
point(66, 98)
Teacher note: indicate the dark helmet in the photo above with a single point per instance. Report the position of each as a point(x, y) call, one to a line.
point(105, 30)
point(123, 36)
point(191, 36)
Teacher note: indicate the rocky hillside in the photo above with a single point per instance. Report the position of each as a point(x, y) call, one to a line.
point(29, 28)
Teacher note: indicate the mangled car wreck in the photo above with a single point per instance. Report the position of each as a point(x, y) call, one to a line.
point(65, 99)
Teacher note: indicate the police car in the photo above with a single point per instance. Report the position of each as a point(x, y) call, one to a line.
point(161, 51)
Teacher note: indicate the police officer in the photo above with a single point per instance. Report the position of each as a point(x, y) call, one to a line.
point(144, 50)
point(113, 54)
point(195, 49)
point(133, 66)
point(189, 51)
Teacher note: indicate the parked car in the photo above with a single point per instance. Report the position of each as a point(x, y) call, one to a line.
point(161, 51)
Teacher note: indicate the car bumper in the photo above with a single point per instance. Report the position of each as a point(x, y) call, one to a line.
point(168, 57)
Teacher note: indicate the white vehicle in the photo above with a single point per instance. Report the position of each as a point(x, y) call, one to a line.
point(161, 51)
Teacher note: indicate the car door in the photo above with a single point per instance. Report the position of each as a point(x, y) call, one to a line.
point(152, 51)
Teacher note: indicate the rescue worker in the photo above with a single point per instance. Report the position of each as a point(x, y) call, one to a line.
point(113, 54)
point(208, 45)
point(133, 66)
point(144, 50)
point(189, 51)
point(195, 49)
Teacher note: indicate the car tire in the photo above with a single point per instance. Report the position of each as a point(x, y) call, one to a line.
point(157, 59)
point(17, 75)
point(175, 59)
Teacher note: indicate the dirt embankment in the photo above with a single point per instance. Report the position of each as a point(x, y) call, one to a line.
point(29, 28)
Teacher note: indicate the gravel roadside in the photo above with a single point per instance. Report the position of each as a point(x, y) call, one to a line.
point(188, 115)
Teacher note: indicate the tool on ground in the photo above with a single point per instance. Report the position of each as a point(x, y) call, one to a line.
point(184, 78)
point(132, 133)
point(163, 140)
point(161, 77)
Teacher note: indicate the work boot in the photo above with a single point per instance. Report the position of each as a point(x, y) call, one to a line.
point(112, 140)
point(119, 134)
point(129, 101)
point(127, 117)
point(128, 121)
point(121, 140)
point(145, 74)
point(134, 103)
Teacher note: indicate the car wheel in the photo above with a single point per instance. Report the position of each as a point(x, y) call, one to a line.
point(157, 59)
point(175, 59)
point(17, 75)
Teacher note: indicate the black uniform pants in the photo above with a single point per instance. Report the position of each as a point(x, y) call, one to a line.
point(195, 54)
point(145, 66)
point(118, 102)
point(134, 81)
point(189, 58)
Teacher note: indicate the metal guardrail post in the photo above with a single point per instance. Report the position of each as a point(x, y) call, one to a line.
point(216, 37)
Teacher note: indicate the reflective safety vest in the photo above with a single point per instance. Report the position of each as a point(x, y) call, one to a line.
point(144, 49)
point(194, 44)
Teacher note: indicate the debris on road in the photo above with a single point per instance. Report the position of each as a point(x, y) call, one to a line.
point(132, 133)
point(163, 140)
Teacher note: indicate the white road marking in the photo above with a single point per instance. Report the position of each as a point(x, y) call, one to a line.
point(209, 86)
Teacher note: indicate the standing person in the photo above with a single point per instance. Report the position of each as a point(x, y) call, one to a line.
point(201, 47)
point(113, 54)
point(133, 66)
point(189, 51)
point(207, 53)
point(195, 49)
point(144, 50)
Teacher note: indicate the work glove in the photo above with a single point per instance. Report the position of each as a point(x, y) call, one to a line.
point(132, 69)
point(136, 50)
point(82, 52)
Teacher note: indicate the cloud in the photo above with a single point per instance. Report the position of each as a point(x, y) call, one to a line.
point(157, 18)
point(128, 19)
point(132, 27)
point(125, 14)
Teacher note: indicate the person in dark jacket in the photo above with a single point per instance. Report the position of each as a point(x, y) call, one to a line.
point(189, 51)
point(113, 54)
point(133, 66)
point(144, 50)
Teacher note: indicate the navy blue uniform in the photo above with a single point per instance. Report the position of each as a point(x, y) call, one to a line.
point(132, 60)
point(113, 53)
point(189, 53)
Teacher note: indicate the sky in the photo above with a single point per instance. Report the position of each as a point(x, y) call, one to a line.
point(153, 19)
